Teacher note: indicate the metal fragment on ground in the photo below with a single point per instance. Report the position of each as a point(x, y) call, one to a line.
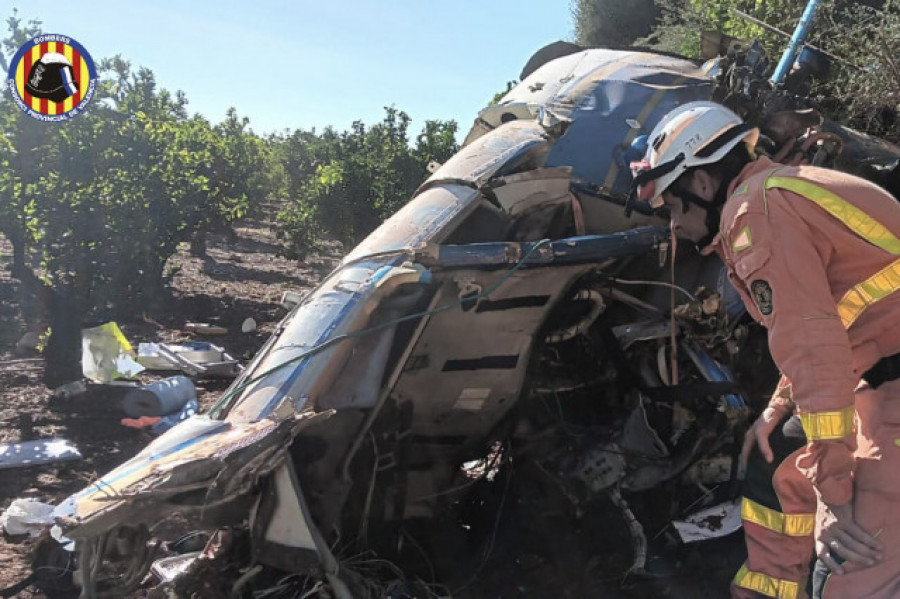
point(35, 453)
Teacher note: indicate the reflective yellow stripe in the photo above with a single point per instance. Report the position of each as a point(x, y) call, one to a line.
point(856, 220)
point(766, 585)
point(820, 426)
point(878, 286)
point(742, 241)
point(792, 525)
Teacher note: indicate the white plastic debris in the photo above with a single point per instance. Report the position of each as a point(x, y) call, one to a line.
point(106, 354)
point(711, 523)
point(26, 516)
point(193, 357)
point(290, 300)
point(204, 328)
point(248, 326)
point(168, 568)
point(35, 453)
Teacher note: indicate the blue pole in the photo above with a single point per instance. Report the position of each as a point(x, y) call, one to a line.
point(797, 41)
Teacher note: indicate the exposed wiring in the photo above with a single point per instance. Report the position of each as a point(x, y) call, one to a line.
point(412, 541)
point(661, 365)
point(673, 331)
point(656, 283)
point(356, 334)
point(489, 548)
point(491, 465)
point(449, 491)
point(364, 520)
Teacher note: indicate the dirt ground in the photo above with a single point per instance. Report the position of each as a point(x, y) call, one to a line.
point(533, 553)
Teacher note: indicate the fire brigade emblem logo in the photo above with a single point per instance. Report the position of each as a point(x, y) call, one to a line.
point(762, 293)
point(52, 78)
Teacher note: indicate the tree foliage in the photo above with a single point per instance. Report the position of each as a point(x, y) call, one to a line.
point(342, 185)
point(864, 88)
point(94, 207)
point(612, 23)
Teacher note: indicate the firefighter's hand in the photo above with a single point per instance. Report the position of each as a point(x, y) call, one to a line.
point(758, 436)
point(840, 539)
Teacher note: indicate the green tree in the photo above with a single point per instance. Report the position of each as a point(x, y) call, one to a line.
point(865, 36)
point(95, 206)
point(863, 91)
point(612, 23)
point(344, 184)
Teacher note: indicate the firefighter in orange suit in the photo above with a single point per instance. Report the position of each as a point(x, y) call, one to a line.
point(815, 255)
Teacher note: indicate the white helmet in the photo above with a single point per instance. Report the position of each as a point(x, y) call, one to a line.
point(694, 134)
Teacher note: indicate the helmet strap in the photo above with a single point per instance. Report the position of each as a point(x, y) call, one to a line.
point(713, 212)
point(714, 215)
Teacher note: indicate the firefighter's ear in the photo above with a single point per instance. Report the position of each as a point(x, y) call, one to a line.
point(703, 183)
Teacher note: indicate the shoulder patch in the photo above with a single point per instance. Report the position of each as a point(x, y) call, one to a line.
point(762, 293)
point(742, 240)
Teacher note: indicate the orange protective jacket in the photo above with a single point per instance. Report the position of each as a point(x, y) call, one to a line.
point(815, 255)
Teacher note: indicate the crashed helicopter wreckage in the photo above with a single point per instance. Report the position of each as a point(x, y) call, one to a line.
point(511, 310)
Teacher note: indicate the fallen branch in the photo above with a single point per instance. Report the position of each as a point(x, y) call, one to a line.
point(20, 361)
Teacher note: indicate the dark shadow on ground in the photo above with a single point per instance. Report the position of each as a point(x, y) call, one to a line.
point(231, 272)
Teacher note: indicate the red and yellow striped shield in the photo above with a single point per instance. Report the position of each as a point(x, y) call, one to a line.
point(63, 65)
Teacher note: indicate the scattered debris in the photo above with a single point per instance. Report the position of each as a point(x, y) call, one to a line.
point(169, 420)
point(107, 354)
point(160, 424)
point(33, 453)
point(26, 516)
point(248, 326)
point(205, 328)
point(142, 422)
point(290, 299)
point(160, 398)
point(195, 358)
point(713, 522)
point(167, 568)
point(70, 390)
point(150, 320)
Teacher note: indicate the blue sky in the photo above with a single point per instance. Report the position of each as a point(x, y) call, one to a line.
point(312, 63)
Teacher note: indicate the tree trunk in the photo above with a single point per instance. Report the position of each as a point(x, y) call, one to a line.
point(62, 353)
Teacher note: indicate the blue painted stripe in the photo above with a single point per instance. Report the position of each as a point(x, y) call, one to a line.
point(363, 292)
point(144, 462)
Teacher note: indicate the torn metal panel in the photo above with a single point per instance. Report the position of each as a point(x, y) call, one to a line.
point(287, 524)
point(201, 460)
point(343, 305)
point(608, 97)
point(35, 453)
point(452, 193)
point(538, 188)
point(479, 161)
point(495, 345)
